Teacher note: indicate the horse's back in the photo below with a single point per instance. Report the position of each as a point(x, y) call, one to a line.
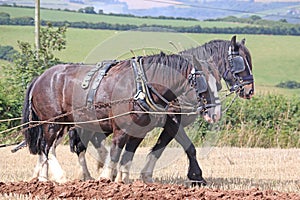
point(54, 90)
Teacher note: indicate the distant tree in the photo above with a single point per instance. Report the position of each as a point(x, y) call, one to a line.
point(89, 10)
point(7, 53)
point(22, 21)
point(4, 18)
point(4, 15)
point(81, 10)
point(289, 84)
point(255, 17)
point(283, 20)
point(100, 12)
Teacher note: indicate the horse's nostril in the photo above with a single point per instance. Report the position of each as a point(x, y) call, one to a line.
point(251, 92)
point(214, 117)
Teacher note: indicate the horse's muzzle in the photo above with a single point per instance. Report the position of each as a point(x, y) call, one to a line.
point(247, 92)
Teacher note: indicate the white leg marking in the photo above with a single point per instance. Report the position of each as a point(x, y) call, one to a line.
point(108, 170)
point(147, 171)
point(102, 154)
point(84, 174)
point(42, 168)
point(55, 168)
point(37, 167)
point(123, 172)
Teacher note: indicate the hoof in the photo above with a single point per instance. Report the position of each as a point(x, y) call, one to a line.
point(197, 180)
point(88, 178)
point(146, 178)
point(42, 179)
point(84, 177)
point(199, 183)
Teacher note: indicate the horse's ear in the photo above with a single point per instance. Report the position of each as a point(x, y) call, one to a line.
point(233, 44)
point(233, 41)
point(243, 41)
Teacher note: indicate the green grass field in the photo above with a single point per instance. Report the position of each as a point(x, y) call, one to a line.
point(275, 58)
point(56, 15)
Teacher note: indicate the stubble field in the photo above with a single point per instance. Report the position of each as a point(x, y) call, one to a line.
point(234, 173)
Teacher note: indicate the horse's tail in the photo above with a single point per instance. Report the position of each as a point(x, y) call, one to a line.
point(32, 135)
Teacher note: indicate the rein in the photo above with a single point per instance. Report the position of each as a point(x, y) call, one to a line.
point(231, 102)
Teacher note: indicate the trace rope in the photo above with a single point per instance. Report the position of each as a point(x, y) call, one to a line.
point(33, 124)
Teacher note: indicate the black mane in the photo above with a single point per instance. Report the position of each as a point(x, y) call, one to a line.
point(176, 61)
point(215, 50)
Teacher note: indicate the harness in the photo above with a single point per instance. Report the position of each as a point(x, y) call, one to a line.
point(143, 96)
point(102, 69)
point(237, 65)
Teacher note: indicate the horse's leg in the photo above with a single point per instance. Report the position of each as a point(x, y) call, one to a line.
point(126, 160)
point(77, 146)
point(164, 139)
point(118, 142)
point(194, 171)
point(41, 169)
point(56, 170)
point(100, 149)
point(52, 137)
point(79, 139)
point(147, 172)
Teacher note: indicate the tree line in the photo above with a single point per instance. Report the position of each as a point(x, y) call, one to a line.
point(91, 10)
point(274, 28)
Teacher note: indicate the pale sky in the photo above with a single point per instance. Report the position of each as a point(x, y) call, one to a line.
point(138, 4)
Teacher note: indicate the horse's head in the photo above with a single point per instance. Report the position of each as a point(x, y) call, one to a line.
point(239, 73)
point(206, 86)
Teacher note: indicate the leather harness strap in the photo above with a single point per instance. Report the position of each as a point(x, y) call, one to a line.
point(143, 96)
point(102, 68)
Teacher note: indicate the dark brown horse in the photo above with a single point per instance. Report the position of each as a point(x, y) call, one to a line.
point(116, 105)
point(232, 61)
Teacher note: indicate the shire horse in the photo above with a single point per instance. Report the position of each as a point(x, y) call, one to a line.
point(117, 103)
point(230, 60)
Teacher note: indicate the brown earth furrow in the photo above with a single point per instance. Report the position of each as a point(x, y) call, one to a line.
point(104, 189)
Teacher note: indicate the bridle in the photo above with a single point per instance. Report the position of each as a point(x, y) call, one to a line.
point(236, 66)
point(198, 81)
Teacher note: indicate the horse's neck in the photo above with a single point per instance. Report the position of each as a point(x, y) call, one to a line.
point(168, 77)
point(213, 51)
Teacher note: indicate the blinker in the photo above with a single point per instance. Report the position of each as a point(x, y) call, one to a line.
point(201, 84)
point(238, 64)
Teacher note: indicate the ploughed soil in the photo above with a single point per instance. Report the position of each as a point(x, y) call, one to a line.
point(105, 189)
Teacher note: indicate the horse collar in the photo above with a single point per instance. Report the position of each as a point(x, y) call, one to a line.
point(142, 95)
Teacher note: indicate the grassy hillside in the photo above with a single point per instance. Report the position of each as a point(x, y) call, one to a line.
point(275, 58)
point(56, 15)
